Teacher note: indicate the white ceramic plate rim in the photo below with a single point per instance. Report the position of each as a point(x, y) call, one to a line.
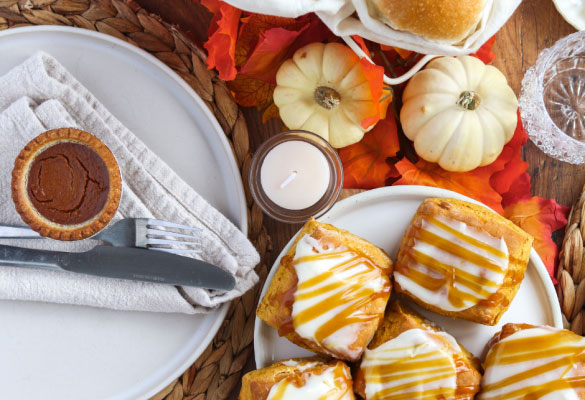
point(243, 222)
point(566, 14)
point(397, 191)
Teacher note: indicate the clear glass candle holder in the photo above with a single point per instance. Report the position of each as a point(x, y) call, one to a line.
point(552, 100)
point(327, 170)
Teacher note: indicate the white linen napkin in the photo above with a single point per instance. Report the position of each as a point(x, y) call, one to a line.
point(340, 17)
point(39, 95)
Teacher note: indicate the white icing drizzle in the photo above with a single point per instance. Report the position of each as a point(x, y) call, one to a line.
point(452, 265)
point(417, 363)
point(333, 286)
point(535, 363)
point(334, 383)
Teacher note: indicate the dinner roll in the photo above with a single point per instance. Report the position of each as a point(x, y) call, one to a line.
point(443, 21)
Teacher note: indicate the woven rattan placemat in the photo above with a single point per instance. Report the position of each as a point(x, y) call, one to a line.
point(216, 374)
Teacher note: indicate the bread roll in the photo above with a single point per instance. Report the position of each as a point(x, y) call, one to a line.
point(443, 21)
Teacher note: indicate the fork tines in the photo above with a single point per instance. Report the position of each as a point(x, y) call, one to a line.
point(171, 237)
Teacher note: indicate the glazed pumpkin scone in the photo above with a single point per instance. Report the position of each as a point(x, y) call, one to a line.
point(411, 358)
point(329, 292)
point(299, 379)
point(462, 260)
point(534, 362)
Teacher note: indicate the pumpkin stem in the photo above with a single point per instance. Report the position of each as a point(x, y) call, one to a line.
point(469, 100)
point(327, 98)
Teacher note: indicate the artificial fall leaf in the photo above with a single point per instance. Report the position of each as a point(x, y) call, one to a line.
point(403, 53)
point(485, 52)
point(365, 163)
point(221, 45)
point(540, 218)
point(254, 25)
point(474, 184)
point(272, 48)
point(250, 92)
point(375, 75)
point(519, 191)
point(270, 112)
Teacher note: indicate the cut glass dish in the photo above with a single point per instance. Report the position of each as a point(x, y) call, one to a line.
point(552, 100)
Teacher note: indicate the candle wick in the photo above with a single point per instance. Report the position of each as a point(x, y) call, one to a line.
point(288, 180)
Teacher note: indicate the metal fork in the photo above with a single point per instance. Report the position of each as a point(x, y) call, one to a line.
point(147, 233)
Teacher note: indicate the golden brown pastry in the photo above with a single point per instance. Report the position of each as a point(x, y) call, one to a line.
point(66, 184)
point(329, 292)
point(534, 362)
point(410, 358)
point(444, 21)
point(462, 260)
point(295, 379)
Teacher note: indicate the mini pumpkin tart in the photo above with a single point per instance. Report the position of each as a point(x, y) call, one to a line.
point(299, 379)
point(66, 184)
point(411, 358)
point(329, 292)
point(462, 260)
point(534, 362)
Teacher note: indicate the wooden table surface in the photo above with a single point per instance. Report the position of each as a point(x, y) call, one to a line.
point(535, 26)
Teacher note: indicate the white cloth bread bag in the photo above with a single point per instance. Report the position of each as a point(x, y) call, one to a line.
point(340, 17)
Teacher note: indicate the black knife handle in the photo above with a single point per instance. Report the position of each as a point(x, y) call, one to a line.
point(21, 257)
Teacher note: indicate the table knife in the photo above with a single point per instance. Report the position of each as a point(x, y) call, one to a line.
point(124, 263)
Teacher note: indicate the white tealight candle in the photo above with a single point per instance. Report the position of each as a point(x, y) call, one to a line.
point(295, 175)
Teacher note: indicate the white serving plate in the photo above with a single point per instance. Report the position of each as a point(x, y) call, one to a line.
point(573, 11)
point(50, 351)
point(381, 216)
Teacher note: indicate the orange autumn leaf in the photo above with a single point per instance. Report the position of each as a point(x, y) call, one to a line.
point(403, 53)
point(221, 46)
point(485, 52)
point(374, 74)
point(474, 184)
point(254, 25)
point(250, 92)
point(540, 218)
point(270, 52)
point(365, 163)
point(270, 112)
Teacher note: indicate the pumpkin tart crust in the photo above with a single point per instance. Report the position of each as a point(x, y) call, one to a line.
point(35, 217)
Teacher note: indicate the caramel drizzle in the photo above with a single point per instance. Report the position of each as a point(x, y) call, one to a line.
point(351, 291)
point(516, 351)
point(419, 368)
point(339, 391)
point(451, 275)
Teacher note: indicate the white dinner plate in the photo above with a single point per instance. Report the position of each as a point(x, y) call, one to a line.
point(50, 351)
point(381, 216)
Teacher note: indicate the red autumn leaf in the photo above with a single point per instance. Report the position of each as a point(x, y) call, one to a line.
point(474, 184)
point(269, 53)
point(250, 92)
point(519, 191)
point(254, 25)
point(540, 218)
point(221, 46)
point(509, 166)
point(485, 52)
point(365, 163)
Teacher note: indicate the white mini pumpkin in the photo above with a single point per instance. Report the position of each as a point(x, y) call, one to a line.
point(459, 112)
point(322, 89)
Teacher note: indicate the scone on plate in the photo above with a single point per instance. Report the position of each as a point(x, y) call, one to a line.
point(329, 292)
point(410, 358)
point(534, 362)
point(462, 260)
point(296, 379)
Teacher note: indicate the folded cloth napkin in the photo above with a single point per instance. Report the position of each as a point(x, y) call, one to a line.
point(351, 17)
point(39, 95)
